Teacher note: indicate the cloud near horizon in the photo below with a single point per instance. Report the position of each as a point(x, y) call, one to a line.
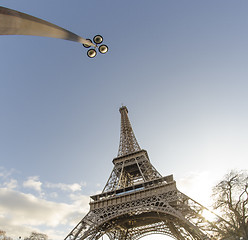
point(33, 183)
point(21, 213)
point(66, 187)
point(11, 184)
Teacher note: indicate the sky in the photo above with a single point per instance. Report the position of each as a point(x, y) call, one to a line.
point(180, 67)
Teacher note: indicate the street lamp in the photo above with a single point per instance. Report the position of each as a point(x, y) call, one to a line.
point(98, 39)
point(17, 23)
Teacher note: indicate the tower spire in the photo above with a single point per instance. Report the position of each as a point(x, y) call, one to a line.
point(128, 142)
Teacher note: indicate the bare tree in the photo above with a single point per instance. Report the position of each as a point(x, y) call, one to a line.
point(37, 236)
point(231, 201)
point(3, 236)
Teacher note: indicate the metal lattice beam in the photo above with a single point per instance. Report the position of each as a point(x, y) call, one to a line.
point(128, 142)
point(138, 201)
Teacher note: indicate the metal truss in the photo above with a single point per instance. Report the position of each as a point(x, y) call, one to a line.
point(128, 142)
point(138, 201)
point(130, 170)
point(158, 209)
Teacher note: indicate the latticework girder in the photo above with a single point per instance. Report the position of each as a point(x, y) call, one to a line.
point(128, 171)
point(128, 142)
point(138, 201)
point(161, 209)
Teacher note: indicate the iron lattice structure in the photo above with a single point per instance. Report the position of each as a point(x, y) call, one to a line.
point(138, 201)
point(128, 142)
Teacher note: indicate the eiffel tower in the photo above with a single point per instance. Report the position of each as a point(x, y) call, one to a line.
point(138, 201)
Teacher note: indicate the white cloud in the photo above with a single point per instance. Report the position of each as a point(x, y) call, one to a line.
point(79, 200)
point(33, 183)
point(11, 184)
point(53, 195)
point(65, 187)
point(5, 173)
point(22, 213)
point(14, 231)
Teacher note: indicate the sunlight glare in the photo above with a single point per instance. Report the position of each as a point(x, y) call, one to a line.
point(208, 215)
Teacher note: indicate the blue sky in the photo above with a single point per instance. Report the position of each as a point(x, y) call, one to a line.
point(179, 66)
